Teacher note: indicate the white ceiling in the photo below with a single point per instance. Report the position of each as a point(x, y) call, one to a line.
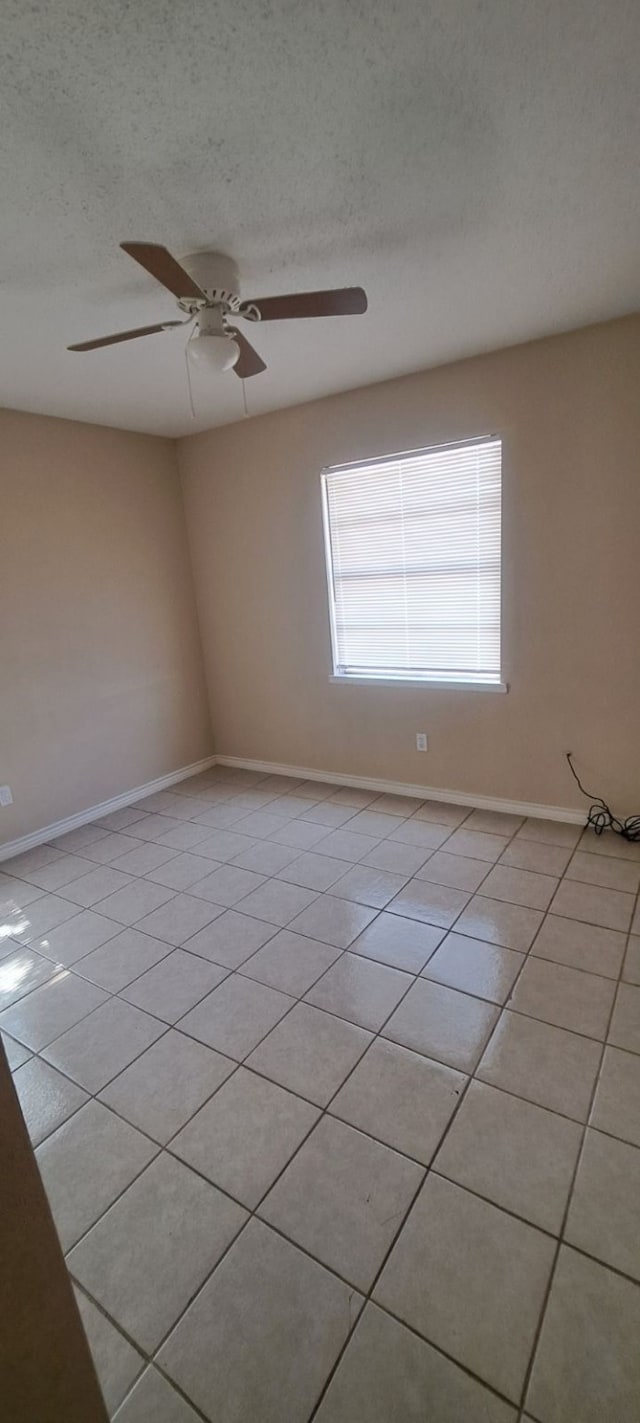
point(474, 165)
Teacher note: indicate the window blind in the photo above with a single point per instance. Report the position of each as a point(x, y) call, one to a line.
point(413, 564)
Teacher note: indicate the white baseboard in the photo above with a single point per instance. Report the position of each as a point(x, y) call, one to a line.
point(95, 812)
point(367, 783)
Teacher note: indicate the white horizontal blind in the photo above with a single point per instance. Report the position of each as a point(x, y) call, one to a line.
point(413, 561)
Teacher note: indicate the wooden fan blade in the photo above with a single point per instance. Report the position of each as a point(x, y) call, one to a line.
point(249, 363)
point(344, 301)
point(122, 336)
point(161, 265)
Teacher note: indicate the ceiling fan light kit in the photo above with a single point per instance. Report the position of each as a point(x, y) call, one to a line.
point(207, 288)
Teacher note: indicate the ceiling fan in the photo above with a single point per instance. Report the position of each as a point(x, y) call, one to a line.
point(206, 285)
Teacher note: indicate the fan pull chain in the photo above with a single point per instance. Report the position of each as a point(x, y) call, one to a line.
point(186, 361)
point(244, 398)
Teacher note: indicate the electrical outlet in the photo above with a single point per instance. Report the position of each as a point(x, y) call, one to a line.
point(6, 797)
point(421, 741)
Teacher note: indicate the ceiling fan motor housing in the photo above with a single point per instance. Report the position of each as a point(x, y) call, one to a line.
point(217, 276)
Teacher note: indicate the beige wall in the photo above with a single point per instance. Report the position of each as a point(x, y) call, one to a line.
point(101, 685)
point(568, 410)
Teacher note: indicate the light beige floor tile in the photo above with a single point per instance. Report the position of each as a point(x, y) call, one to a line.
point(442, 813)
point(360, 990)
point(365, 885)
point(476, 845)
point(144, 858)
point(235, 1017)
point(631, 970)
point(227, 885)
point(117, 1363)
point(329, 814)
point(22, 970)
point(99, 1047)
point(625, 1025)
point(85, 1164)
point(587, 1364)
point(120, 819)
point(583, 946)
point(353, 796)
point(109, 847)
point(472, 1280)
point(449, 1026)
point(290, 962)
point(46, 1098)
point(291, 805)
point(47, 1012)
point(550, 832)
point(34, 859)
point(609, 844)
point(616, 1108)
point(245, 1135)
point(78, 839)
point(153, 1400)
point(333, 921)
point(172, 987)
point(607, 907)
point(423, 834)
point(16, 893)
point(38, 918)
point(123, 958)
point(402, 943)
point(534, 891)
point(519, 1156)
point(401, 1098)
point(164, 1087)
point(509, 925)
point(547, 1065)
point(96, 886)
point(397, 858)
point(146, 1258)
point(230, 939)
point(310, 870)
point(564, 996)
point(15, 1053)
point(311, 1052)
point(224, 845)
point(278, 903)
point(185, 837)
point(61, 872)
point(431, 903)
point(295, 1319)
point(475, 967)
point(75, 938)
point(300, 835)
point(345, 845)
point(371, 822)
point(317, 790)
point(604, 1216)
point(402, 805)
point(635, 926)
point(342, 1198)
point(182, 871)
point(387, 1373)
point(605, 870)
point(265, 858)
point(535, 855)
point(135, 902)
point(457, 871)
point(261, 823)
point(494, 822)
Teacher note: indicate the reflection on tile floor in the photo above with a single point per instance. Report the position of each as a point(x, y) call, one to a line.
point(336, 1099)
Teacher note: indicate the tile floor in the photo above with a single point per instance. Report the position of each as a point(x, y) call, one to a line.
point(336, 1099)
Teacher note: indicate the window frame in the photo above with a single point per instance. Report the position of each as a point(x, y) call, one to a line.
point(385, 679)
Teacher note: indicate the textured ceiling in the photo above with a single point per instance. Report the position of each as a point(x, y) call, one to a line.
point(473, 163)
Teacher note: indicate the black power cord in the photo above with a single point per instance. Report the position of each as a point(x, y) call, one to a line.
point(600, 818)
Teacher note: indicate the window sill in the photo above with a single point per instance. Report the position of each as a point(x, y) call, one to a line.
point(426, 683)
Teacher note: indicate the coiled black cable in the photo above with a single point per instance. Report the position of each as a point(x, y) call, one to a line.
point(601, 818)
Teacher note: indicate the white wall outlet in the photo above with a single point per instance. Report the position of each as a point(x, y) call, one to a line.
point(6, 797)
point(421, 741)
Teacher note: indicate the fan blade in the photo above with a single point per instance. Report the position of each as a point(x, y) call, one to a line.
point(123, 336)
point(249, 363)
point(344, 301)
point(161, 265)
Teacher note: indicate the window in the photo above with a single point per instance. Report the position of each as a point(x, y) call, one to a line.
point(413, 565)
